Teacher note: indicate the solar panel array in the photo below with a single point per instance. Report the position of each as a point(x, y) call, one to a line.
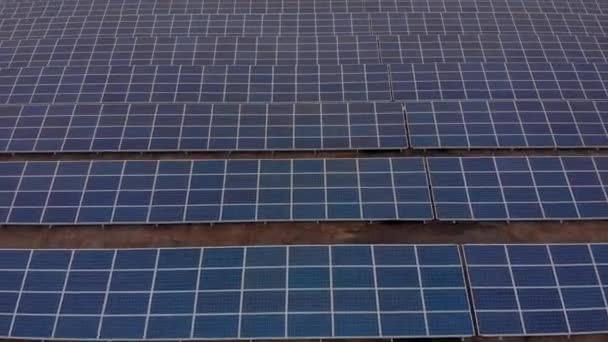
point(234, 293)
point(276, 75)
point(538, 289)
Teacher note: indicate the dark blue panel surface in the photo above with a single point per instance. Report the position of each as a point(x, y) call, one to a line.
point(537, 289)
point(237, 293)
point(211, 191)
point(211, 127)
point(519, 188)
point(507, 124)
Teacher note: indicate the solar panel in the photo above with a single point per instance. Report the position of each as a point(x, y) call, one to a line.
point(461, 81)
point(101, 192)
point(290, 292)
point(72, 8)
point(172, 50)
point(205, 127)
point(333, 24)
point(305, 83)
point(519, 188)
point(507, 124)
point(292, 50)
point(555, 289)
point(492, 48)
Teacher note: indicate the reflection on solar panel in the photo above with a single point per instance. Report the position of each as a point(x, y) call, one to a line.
point(538, 289)
point(235, 293)
point(290, 50)
point(151, 127)
point(502, 124)
point(308, 83)
point(22, 9)
point(519, 188)
point(214, 190)
point(304, 24)
point(460, 81)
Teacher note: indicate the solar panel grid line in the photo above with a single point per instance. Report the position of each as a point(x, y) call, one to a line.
point(107, 290)
point(556, 279)
point(62, 295)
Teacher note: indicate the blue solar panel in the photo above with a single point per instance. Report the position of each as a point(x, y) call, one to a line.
point(306, 83)
point(235, 293)
point(507, 124)
point(499, 81)
point(201, 50)
point(519, 188)
point(214, 190)
point(380, 23)
point(490, 48)
point(21, 9)
point(205, 127)
point(527, 290)
point(292, 50)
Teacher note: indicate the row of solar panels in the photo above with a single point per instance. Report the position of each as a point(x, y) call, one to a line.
point(303, 24)
point(25, 9)
point(304, 291)
point(471, 188)
point(303, 126)
point(305, 83)
point(290, 50)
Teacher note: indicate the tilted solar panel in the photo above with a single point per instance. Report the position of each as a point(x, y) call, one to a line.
point(304, 24)
point(489, 47)
point(175, 50)
point(291, 50)
point(234, 293)
point(23, 9)
point(99, 192)
point(476, 81)
point(204, 127)
point(555, 289)
point(519, 188)
point(507, 124)
point(305, 83)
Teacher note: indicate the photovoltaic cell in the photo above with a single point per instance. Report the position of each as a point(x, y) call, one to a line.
point(206, 127)
point(107, 192)
point(476, 81)
point(23, 9)
point(305, 83)
point(211, 293)
point(555, 289)
point(519, 188)
point(507, 124)
point(333, 24)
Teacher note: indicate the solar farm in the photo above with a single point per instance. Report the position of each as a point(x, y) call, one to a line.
point(307, 170)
